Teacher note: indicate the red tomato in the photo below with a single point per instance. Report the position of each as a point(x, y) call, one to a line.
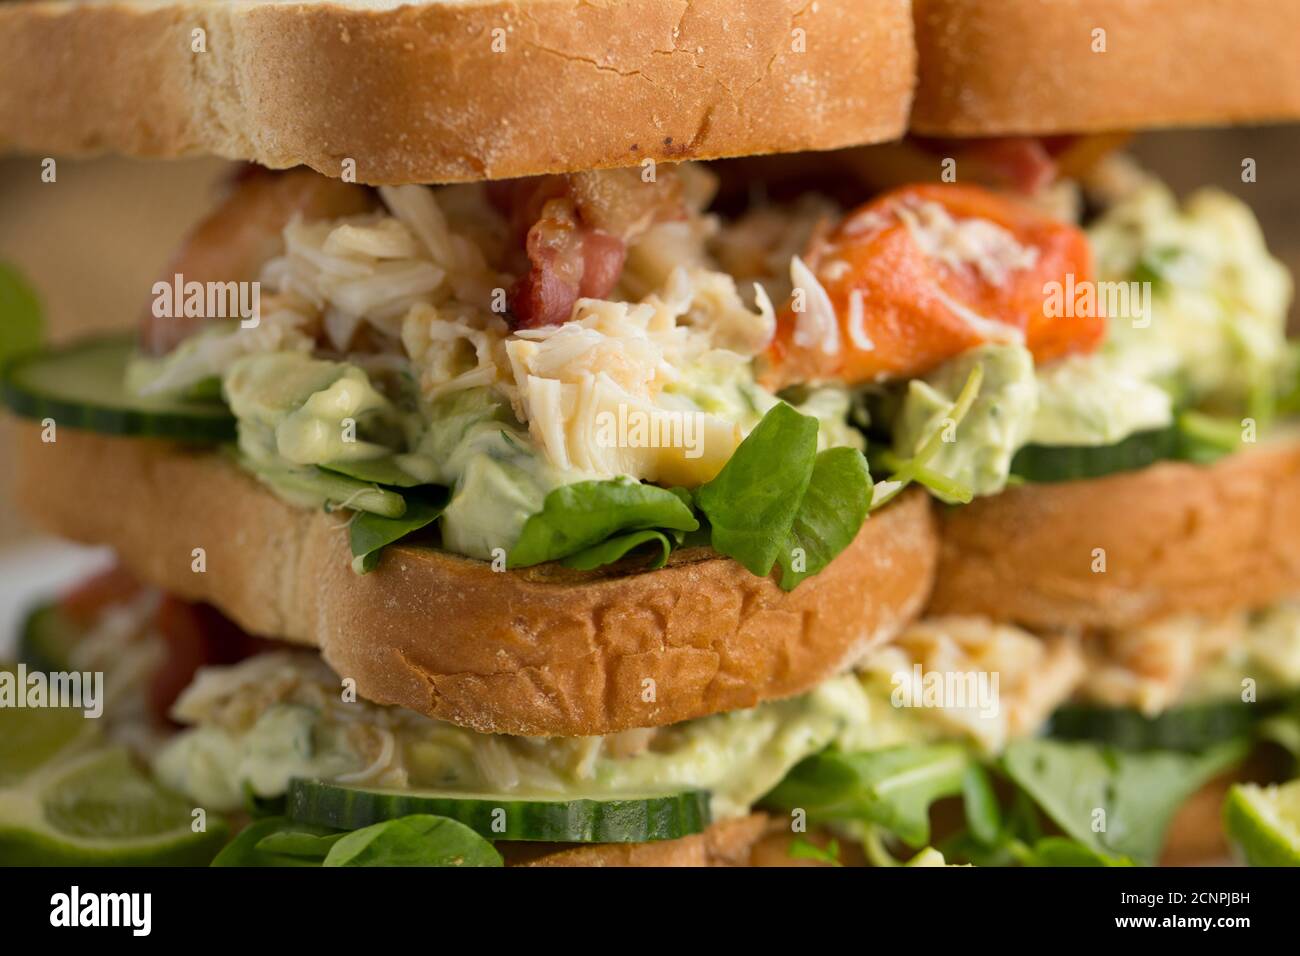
point(917, 286)
point(84, 603)
point(196, 635)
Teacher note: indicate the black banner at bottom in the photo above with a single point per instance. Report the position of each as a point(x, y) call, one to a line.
point(342, 907)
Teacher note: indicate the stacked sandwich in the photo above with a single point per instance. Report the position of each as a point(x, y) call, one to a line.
point(602, 505)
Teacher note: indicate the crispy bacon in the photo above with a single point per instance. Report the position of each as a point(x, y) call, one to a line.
point(243, 232)
point(574, 231)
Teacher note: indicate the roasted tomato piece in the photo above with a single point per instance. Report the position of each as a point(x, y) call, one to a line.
point(923, 273)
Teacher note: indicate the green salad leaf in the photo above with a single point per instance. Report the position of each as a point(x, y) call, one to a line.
point(891, 788)
point(753, 501)
point(801, 849)
point(1062, 851)
point(247, 848)
point(833, 508)
point(22, 324)
point(983, 815)
point(377, 471)
point(418, 840)
point(617, 548)
point(577, 517)
point(369, 533)
point(1115, 803)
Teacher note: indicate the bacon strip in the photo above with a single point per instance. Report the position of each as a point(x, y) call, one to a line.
point(575, 230)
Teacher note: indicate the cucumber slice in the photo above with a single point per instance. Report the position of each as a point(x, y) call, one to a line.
point(1051, 463)
point(1190, 729)
point(83, 386)
point(547, 819)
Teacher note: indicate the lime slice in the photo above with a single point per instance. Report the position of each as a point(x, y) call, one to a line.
point(1265, 823)
point(96, 808)
point(31, 737)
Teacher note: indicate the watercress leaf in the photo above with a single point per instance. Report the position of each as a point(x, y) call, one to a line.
point(418, 840)
point(246, 848)
point(617, 548)
point(1062, 851)
point(891, 788)
point(832, 511)
point(1138, 792)
point(578, 516)
point(801, 849)
point(299, 843)
point(369, 533)
point(752, 502)
point(377, 471)
point(983, 815)
point(20, 314)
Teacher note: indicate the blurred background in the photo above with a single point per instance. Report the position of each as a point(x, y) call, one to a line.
point(93, 242)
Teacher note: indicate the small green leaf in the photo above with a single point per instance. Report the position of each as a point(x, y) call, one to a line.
point(1116, 803)
point(752, 502)
point(1061, 851)
point(369, 533)
point(803, 850)
point(299, 843)
point(615, 549)
point(419, 840)
point(830, 515)
point(376, 471)
point(246, 849)
point(983, 815)
point(892, 788)
point(579, 516)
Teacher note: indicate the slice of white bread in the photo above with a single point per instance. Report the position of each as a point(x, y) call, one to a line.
point(453, 90)
point(1117, 551)
point(1037, 66)
point(538, 651)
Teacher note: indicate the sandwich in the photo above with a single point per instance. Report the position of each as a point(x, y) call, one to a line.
point(532, 470)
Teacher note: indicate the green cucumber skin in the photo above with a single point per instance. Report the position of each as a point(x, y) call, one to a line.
point(1046, 464)
point(1189, 729)
point(561, 821)
point(40, 400)
point(120, 421)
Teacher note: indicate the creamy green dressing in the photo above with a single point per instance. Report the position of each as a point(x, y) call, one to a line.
point(737, 756)
point(294, 413)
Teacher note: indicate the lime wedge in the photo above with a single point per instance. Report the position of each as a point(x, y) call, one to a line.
point(96, 808)
point(68, 798)
point(31, 737)
point(1265, 823)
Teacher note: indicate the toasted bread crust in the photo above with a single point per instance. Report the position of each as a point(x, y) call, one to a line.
point(1174, 538)
point(539, 651)
point(446, 92)
point(1025, 66)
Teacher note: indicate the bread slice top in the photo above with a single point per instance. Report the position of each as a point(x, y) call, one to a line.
point(540, 651)
point(453, 91)
point(1078, 66)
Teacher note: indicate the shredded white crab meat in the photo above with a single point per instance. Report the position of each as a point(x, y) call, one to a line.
point(1034, 675)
